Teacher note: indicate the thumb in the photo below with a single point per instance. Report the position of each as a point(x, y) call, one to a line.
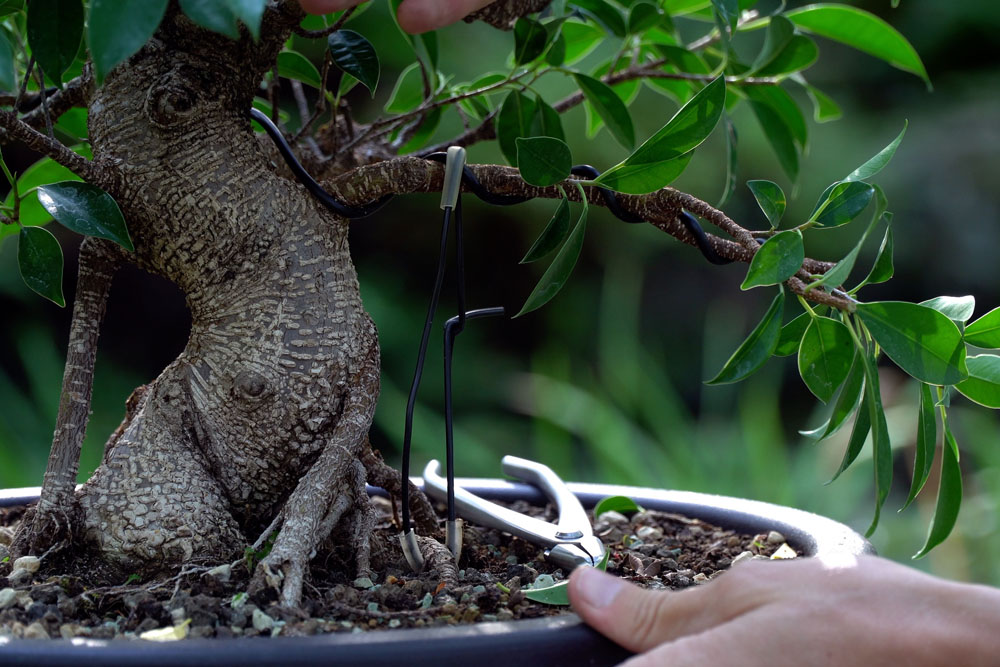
point(635, 618)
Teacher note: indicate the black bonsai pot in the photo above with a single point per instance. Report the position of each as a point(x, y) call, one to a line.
point(561, 640)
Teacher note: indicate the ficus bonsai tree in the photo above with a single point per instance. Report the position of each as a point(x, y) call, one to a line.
point(257, 432)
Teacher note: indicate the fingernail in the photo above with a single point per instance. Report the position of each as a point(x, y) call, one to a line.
point(598, 589)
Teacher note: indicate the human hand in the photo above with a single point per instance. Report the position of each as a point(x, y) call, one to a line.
point(863, 611)
point(414, 15)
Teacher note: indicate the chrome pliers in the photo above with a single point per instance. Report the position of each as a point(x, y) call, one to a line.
point(568, 543)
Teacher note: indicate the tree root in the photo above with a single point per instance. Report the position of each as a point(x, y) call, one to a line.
point(383, 475)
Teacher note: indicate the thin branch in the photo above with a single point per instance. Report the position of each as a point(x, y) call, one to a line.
point(16, 129)
point(73, 93)
point(660, 208)
point(327, 31)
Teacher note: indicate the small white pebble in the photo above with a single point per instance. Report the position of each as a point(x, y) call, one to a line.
point(746, 555)
point(774, 537)
point(7, 598)
point(29, 563)
point(261, 621)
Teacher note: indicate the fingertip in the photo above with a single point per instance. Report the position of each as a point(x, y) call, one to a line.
point(417, 16)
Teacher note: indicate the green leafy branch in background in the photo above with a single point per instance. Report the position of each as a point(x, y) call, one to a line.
point(605, 52)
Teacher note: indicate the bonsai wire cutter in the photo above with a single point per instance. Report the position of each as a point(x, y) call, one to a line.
point(568, 543)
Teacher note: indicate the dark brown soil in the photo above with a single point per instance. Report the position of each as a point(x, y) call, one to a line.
point(654, 549)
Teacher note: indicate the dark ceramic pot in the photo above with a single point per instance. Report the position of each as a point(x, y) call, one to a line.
point(562, 640)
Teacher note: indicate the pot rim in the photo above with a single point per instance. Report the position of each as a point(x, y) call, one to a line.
point(551, 640)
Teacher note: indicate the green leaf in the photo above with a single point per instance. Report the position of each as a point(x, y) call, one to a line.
point(949, 498)
point(543, 161)
point(926, 444)
point(54, 29)
point(620, 504)
point(546, 122)
point(859, 433)
point(728, 11)
point(847, 402)
point(250, 12)
point(860, 30)
point(8, 80)
point(581, 39)
point(8, 7)
point(356, 56)
point(408, 92)
point(294, 65)
point(958, 309)
point(842, 203)
point(732, 163)
point(779, 136)
point(985, 332)
point(879, 161)
point(119, 28)
point(609, 107)
point(778, 100)
point(920, 340)
point(779, 32)
point(771, 200)
point(424, 131)
point(840, 272)
point(881, 447)
point(43, 172)
point(214, 15)
point(791, 336)
point(983, 385)
point(603, 13)
point(825, 356)
point(555, 232)
point(643, 16)
point(644, 170)
point(825, 108)
point(777, 260)
point(85, 209)
point(882, 269)
point(514, 121)
point(758, 346)
point(40, 261)
point(799, 54)
point(556, 54)
point(559, 271)
point(530, 40)
point(557, 594)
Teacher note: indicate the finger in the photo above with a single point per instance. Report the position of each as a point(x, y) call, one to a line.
point(639, 619)
point(727, 644)
point(326, 6)
point(417, 16)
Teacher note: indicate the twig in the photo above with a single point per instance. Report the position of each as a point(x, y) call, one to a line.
point(325, 32)
point(33, 139)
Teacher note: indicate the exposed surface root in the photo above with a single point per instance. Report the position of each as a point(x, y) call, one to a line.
point(385, 476)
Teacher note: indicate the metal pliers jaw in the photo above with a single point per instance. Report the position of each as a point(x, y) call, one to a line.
point(568, 543)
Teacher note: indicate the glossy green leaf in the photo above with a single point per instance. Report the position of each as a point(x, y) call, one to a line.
point(547, 122)
point(840, 272)
point(514, 120)
point(779, 136)
point(878, 162)
point(116, 29)
point(983, 385)
point(732, 161)
point(859, 433)
point(408, 92)
point(882, 270)
point(860, 30)
point(559, 271)
point(728, 11)
point(779, 32)
point(799, 54)
point(958, 309)
point(681, 7)
point(785, 108)
point(603, 13)
point(581, 40)
point(555, 233)
point(923, 457)
point(557, 594)
point(250, 12)
point(825, 109)
point(54, 29)
point(43, 172)
point(530, 39)
point(40, 261)
point(643, 16)
point(609, 107)
point(985, 332)
point(644, 170)
point(949, 498)
point(684, 60)
point(424, 131)
point(620, 504)
point(294, 65)
point(881, 447)
point(776, 260)
point(8, 7)
point(791, 336)
point(355, 55)
point(543, 161)
point(556, 53)
point(430, 42)
point(85, 209)
point(920, 340)
point(847, 402)
point(770, 198)
point(825, 356)
point(758, 346)
point(8, 80)
point(842, 203)
point(215, 15)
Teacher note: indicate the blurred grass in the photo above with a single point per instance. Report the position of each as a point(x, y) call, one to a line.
point(605, 383)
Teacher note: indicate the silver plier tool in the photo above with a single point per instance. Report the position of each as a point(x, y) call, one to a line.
point(568, 543)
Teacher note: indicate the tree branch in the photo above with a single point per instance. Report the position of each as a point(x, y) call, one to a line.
point(18, 130)
point(660, 208)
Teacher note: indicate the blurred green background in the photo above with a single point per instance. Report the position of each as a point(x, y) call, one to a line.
point(605, 383)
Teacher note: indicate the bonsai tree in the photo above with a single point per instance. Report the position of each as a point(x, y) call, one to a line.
point(257, 432)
